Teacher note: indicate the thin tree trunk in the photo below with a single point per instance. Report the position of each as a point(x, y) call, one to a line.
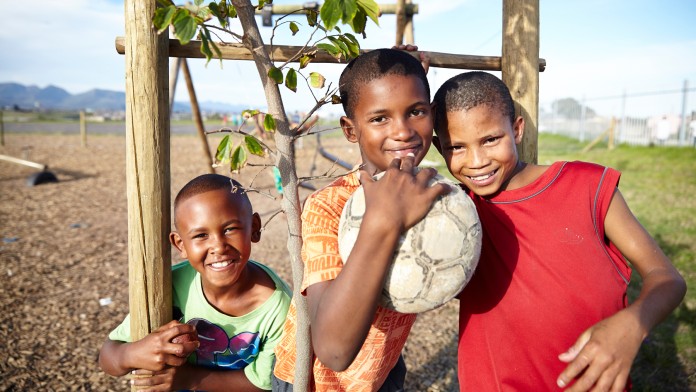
point(291, 201)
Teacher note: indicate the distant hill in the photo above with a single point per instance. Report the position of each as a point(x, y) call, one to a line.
point(56, 98)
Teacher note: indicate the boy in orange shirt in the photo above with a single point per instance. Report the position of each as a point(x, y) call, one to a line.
point(357, 343)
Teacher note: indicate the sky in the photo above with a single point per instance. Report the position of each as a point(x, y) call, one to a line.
point(596, 51)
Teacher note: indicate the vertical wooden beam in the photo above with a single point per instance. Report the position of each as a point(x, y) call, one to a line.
point(196, 112)
point(520, 66)
point(2, 128)
point(147, 170)
point(409, 38)
point(83, 129)
point(175, 65)
point(400, 21)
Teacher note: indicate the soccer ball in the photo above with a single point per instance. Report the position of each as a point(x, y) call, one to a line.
point(433, 260)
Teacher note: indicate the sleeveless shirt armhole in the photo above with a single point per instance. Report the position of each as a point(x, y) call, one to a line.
point(607, 186)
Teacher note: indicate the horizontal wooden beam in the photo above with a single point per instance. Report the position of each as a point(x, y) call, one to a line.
point(285, 9)
point(282, 53)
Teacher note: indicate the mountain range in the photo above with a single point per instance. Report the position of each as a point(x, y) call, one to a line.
point(15, 95)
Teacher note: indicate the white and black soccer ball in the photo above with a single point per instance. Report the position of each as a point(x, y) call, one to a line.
point(434, 259)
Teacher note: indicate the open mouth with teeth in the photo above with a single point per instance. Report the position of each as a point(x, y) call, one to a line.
point(220, 264)
point(483, 177)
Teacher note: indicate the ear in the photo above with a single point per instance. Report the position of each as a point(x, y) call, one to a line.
point(518, 129)
point(348, 129)
point(176, 240)
point(255, 227)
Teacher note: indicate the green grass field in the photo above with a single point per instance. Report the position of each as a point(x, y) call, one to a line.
point(659, 185)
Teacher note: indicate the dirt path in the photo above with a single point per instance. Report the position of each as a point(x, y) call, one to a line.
point(63, 261)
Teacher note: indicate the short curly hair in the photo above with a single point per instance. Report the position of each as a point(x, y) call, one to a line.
point(373, 65)
point(468, 90)
point(210, 182)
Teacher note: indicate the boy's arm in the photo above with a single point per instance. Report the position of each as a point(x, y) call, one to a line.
point(341, 310)
point(153, 352)
point(606, 351)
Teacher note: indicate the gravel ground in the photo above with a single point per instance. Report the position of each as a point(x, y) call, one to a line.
point(63, 259)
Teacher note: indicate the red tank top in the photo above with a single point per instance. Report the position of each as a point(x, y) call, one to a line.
point(546, 274)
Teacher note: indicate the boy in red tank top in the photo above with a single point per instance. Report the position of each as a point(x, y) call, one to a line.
point(546, 308)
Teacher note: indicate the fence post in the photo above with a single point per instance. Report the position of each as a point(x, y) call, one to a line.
point(623, 117)
point(83, 129)
point(2, 128)
point(583, 110)
point(682, 129)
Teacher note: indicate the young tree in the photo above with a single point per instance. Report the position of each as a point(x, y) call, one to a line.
point(193, 20)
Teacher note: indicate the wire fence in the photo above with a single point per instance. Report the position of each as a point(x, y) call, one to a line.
point(665, 117)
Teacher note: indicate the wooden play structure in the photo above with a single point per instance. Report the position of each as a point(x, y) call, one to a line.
point(147, 128)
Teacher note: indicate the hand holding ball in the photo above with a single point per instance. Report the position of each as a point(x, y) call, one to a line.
point(434, 260)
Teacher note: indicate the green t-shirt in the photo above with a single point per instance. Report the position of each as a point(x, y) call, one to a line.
point(245, 342)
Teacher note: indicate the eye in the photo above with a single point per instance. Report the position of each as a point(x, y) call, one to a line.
point(232, 229)
point(378, 119)
point(454, 148)
point(491, 140)
point(200, 236)
point(417, 112)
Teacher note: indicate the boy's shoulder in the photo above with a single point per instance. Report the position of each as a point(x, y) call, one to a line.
point(280, 284)
point(330, 199)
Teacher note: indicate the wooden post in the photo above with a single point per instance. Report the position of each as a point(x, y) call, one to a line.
point(408, 27)
point(83, 129)
point(520, 67)
point(400, 21)
point(173, 78)
point(2, 128)
point(196, 111)
point(147, 170)
point(612, 132)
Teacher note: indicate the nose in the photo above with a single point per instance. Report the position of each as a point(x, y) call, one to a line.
point(218, 245)
point(402, 130)
point(478, 158)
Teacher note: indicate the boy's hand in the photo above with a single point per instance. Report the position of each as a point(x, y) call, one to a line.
point(424, 57)
point(601, 358)
point(401, 197)
point(156, 351)
point(147, 380)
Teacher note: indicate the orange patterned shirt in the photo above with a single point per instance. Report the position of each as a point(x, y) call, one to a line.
point(389, 329)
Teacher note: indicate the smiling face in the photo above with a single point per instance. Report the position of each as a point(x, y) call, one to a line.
point(215, 230)
point(391, 118)
point(479, 147)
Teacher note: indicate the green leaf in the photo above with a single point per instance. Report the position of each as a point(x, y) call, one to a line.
point(312, 18)
point(370, 8)
point(269, 123)
point(198, 2)
point(294, 28)
point(276, 75)
point(358, 23)
point(249, 113)
point(253, 145)
point(331, 13)
point(340, 45)
point(353, 46)
point(330, 49)
point(184, 26)
point(350, 7)
point(291, 80)
point(223, 150)
point(163, 17)
point(238, 159)
point(305, 60)
point(165, 3)
point(335, 99)
point(316, 80)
